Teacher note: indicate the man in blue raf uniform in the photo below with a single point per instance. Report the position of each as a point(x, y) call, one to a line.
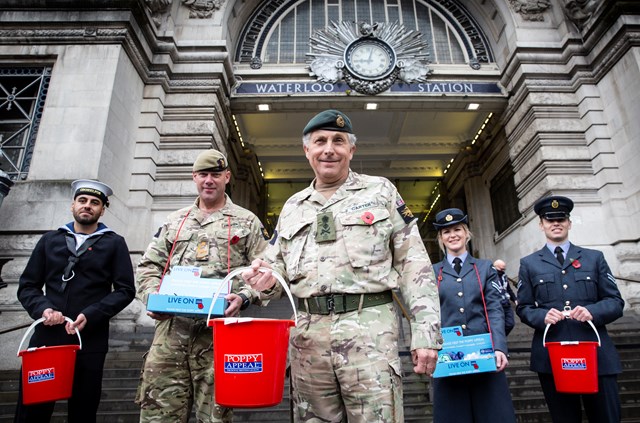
point(564, 286)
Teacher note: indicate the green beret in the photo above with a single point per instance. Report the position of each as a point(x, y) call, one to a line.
point(211, 160)
point(331, 120)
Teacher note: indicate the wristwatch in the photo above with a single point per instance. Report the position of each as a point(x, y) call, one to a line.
point(245, 302)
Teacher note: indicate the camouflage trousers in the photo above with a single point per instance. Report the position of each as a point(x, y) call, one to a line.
point(178, 373)
point(346, 367)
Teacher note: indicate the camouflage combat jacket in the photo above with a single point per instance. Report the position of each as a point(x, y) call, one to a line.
point(377, 247)
point(204, 241)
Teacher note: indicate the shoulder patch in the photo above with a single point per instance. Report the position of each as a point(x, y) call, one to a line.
point(157, 234)
point(265, 233)
point(406, 214)
point(274, 238)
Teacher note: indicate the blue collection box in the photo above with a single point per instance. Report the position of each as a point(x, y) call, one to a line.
point(185, 306)
point(461, 355)
point(185, 292)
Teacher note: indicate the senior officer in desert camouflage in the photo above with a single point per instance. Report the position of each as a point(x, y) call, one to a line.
point(344, 243)
point(217, 236)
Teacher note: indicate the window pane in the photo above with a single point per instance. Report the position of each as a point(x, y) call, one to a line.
point(22, 95)
point(504, 199)
point(302, 33)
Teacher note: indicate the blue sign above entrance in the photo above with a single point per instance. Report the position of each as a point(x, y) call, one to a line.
point(315, 87)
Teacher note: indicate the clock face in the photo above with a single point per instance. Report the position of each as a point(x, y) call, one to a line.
point(370, 58)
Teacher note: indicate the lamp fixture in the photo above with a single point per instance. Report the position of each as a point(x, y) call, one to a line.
point(371, 106)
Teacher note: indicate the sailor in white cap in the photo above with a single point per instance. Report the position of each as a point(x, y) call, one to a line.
point(81, 271)
point(91, 187)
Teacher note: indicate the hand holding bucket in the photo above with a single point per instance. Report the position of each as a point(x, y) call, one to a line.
point(574, 364)
point(250, 355)
point(236, 272)
point(47, 372)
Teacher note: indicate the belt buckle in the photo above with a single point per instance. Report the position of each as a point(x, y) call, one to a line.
point(331, 303)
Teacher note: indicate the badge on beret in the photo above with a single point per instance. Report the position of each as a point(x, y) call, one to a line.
point(340, 121)
point(448, 218)
point(554, 204)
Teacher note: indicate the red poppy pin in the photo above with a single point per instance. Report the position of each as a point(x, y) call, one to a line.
point(367, 217)
point(575, 263)
point(235, 239)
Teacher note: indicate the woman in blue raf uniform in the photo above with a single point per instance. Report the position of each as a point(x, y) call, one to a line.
point(564, 285)
point(469, 299)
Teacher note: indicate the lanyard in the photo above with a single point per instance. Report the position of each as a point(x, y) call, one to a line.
point(484, 303)
point(75, 255)
point(166, 265)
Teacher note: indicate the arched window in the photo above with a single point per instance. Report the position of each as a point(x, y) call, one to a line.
point(279, 34)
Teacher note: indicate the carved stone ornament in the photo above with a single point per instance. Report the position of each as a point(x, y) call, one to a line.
point(580, 11)
point(202, 9)
point(256, 63)
point(157, 8)
point(368, 57)
point(530, 10)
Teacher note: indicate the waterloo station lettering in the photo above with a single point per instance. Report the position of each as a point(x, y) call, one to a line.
point(313, 87)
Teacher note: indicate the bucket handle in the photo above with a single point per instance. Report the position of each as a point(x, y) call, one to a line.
point(544, 344)
point(261, 269)
point(40, 320)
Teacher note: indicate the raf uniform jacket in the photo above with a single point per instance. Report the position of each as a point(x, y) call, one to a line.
point(461, 301)
point(102, 286)
point(583, 280)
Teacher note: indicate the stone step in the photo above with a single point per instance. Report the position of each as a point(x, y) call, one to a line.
point(122, 372)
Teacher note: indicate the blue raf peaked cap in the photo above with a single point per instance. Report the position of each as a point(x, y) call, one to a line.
point(553, 207)
point(449, 217)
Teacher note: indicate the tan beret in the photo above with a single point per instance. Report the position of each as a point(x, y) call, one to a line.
point(211, 160)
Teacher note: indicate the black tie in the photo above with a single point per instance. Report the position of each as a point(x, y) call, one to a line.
point(457, 265)
point(559, 255)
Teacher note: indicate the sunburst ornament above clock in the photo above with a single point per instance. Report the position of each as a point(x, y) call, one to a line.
point(369, 58)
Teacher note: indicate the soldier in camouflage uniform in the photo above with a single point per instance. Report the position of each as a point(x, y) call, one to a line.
point(217, 236)
point(343, 244)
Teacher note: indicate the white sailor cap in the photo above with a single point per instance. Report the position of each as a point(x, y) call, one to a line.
point(91, 187)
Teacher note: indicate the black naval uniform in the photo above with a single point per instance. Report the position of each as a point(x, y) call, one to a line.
point(103, 285)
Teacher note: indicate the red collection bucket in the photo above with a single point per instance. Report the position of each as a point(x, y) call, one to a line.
point(574, 364)
point(250, 356)
point(47, 372)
